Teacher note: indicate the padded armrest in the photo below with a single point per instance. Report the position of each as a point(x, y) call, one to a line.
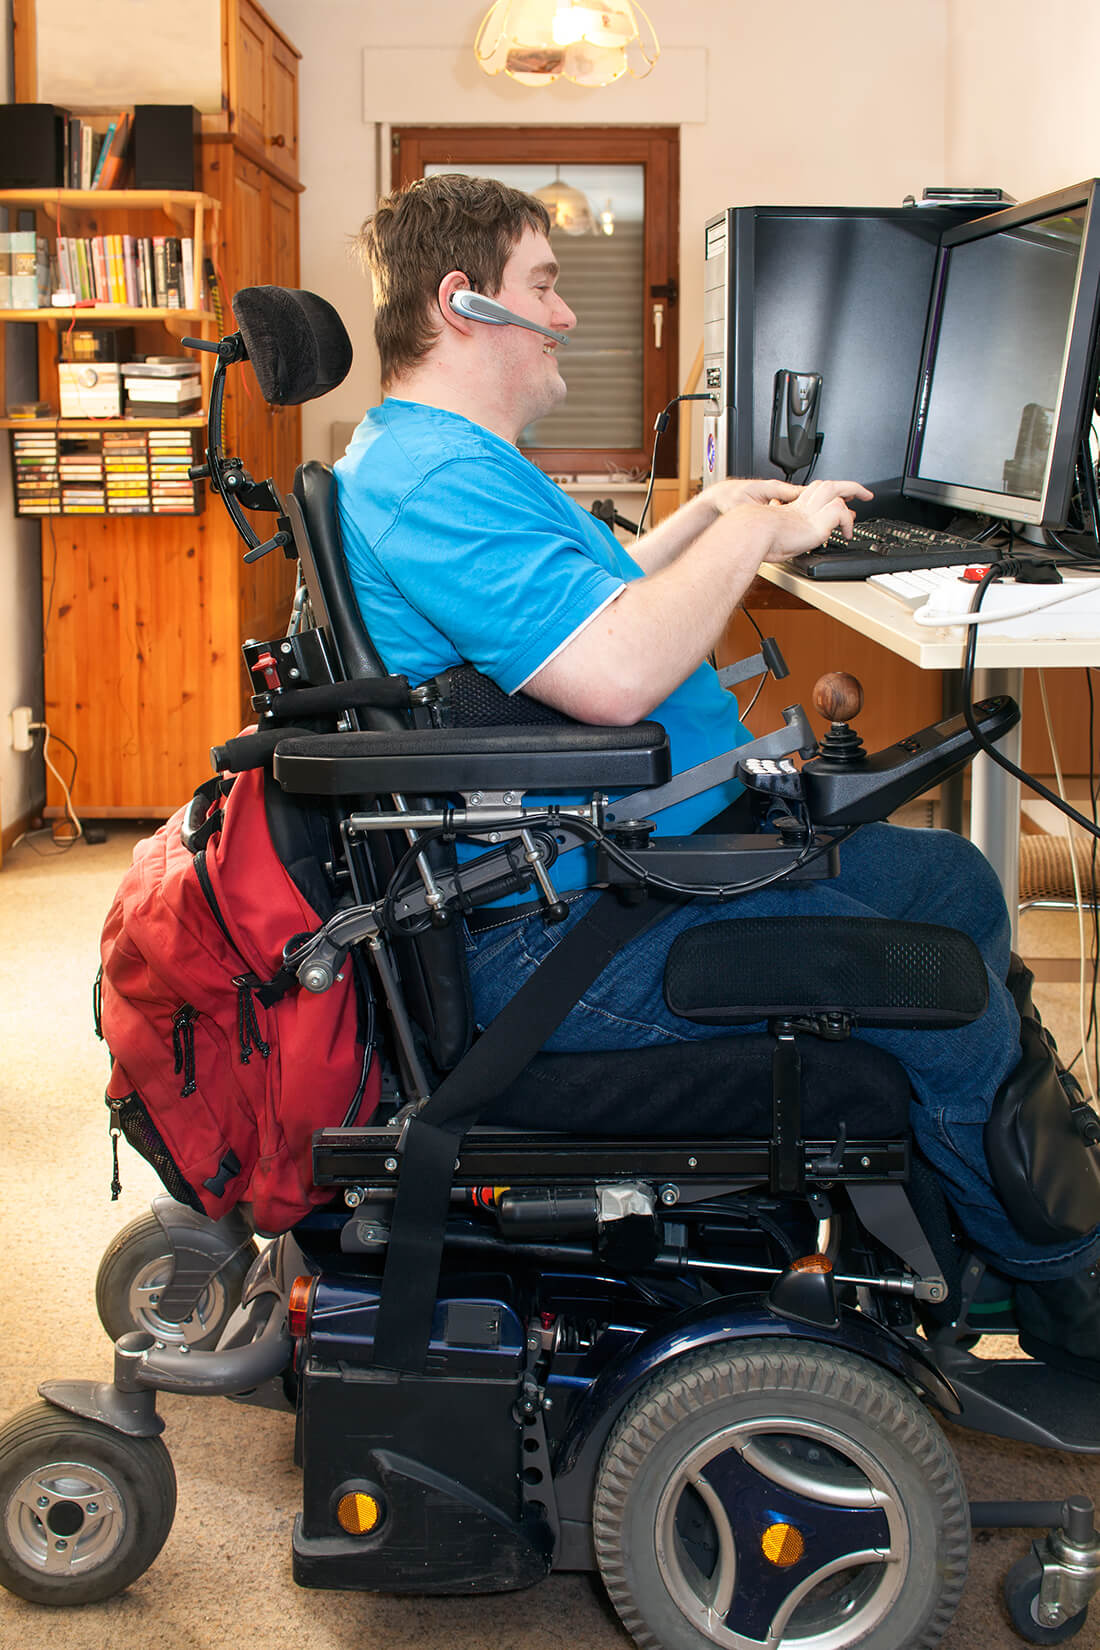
point(431, 761)
point(904, 974)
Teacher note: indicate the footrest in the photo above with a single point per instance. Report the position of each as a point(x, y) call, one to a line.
point(1029, 1402)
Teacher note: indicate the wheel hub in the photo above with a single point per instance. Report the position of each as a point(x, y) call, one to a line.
point(65, 1518)
point(781, 1530)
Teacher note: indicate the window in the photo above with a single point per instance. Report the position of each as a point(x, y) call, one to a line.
point(622, 365)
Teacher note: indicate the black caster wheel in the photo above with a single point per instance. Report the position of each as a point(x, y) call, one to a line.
point(1022, 1585)
point(84, 1510)
point(137, 1265)
point(762, 1493)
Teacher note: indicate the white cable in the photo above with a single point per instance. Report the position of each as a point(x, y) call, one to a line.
point(1077, 895)
point(44, 727)
point(939, 620)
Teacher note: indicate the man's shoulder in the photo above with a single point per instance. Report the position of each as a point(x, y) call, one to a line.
point(421, 439)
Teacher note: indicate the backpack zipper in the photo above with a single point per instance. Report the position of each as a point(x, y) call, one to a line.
point(183, 1047)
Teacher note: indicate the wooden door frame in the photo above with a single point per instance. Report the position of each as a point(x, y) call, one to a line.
point(657, 150)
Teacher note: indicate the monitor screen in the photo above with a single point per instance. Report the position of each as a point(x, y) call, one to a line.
point(1009, 371)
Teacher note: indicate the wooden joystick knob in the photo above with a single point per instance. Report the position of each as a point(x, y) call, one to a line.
point(837, 696)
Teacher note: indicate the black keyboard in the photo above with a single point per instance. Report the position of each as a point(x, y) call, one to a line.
point(888, 547)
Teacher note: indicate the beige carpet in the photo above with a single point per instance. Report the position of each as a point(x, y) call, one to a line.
point(223, 1578)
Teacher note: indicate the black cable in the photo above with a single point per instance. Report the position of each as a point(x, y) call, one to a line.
point(987, 745)
point(719, 892)
point(660, 425)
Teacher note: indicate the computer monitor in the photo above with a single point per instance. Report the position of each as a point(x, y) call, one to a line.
point(840, 291)
point(1009, 375)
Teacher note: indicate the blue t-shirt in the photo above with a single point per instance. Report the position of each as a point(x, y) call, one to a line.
point(462, 551)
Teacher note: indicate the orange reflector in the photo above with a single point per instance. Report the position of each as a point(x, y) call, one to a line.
point(812, 1263)
point(301, 1294)
point(358, 1513)
point(782, 1544)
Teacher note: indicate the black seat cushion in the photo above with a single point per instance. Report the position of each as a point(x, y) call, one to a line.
point(721, 1087)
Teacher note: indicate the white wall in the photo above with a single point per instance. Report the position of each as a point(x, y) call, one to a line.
point(832, 104)
point(1022, 104)
point(22, 777)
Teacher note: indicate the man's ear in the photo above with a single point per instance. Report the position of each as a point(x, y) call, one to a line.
point(454, 281)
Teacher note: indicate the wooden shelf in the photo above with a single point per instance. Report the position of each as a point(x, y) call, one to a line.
point(106, 312)
point(190, 421)
point(129, 199)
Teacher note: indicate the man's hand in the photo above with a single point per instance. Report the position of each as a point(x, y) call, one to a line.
point(727, 495)
point(805, 521)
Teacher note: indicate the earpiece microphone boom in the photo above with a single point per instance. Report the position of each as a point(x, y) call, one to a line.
point(476, 307)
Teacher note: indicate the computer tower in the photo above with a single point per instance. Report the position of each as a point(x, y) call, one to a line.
point(840, 291)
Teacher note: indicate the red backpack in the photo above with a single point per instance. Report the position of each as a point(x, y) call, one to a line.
point(222, 1066)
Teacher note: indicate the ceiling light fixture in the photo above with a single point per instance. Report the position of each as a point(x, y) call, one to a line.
point(538, 41)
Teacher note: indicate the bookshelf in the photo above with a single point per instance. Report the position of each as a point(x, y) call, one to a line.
point(143, 615)
point(101, 215)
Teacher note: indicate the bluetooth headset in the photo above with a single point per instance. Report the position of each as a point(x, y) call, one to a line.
point(476, 307)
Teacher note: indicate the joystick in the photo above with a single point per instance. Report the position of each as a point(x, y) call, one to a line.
point(838, 697)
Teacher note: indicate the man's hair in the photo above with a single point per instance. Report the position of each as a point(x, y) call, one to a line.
point(418, 234)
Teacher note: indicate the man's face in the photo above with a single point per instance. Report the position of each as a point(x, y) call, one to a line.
point(527, 360)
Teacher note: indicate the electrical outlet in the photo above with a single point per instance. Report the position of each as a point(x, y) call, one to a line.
point(20, 723)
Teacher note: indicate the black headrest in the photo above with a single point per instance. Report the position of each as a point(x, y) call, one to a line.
point(296, 342)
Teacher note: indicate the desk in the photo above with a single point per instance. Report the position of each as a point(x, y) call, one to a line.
point(1000, 664)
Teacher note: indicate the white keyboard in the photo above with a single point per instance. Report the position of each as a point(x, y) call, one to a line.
point(940, 597)
point(914, 588)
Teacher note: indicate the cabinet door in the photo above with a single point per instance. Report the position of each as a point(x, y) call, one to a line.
point(247, 263)
point(281, 105)
point(247, 95)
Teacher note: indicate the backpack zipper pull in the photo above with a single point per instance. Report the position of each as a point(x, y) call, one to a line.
point(248, 1027)
point(183, 1047)
point(115, 1130)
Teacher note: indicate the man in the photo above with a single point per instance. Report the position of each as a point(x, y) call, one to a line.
point(461, 550)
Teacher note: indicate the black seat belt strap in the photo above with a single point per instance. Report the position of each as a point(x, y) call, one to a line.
point(410, 1281)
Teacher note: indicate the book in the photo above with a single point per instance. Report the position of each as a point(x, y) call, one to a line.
point(163, 389)
point(104, 151)
point(85, 156)
point(173, 272)
point(111, 172)
point(5, 269)
point(187, 250)
point(160, 272)
point(162, 366)
point(162, 409)
point(23, 245)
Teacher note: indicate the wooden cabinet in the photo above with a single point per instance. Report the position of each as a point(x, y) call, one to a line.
point(261, 79)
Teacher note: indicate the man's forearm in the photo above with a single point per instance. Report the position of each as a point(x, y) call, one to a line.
point(642, 646)
point(657, 548)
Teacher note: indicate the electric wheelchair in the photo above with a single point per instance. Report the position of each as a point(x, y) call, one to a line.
point(681, 1317)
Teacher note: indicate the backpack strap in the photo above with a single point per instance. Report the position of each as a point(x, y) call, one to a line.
point(410, 1280)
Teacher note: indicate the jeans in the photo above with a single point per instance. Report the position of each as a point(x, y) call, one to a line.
point(885, 871)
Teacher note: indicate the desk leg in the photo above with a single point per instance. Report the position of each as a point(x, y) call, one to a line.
point(995, 796)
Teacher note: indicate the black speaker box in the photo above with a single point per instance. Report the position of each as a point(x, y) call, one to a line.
point(32, 146)
point(166, 146)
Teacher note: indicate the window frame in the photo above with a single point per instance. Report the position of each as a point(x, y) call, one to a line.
point(657, 150)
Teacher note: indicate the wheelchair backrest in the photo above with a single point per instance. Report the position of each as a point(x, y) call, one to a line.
point(433, 965)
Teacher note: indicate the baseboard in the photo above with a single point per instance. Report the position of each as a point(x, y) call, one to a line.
point(17, 828)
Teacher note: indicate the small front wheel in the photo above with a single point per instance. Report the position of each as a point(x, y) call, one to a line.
point(84, 1510)
point(1022, 1584)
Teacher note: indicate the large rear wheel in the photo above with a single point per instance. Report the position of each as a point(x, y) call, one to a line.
point(772, 1492)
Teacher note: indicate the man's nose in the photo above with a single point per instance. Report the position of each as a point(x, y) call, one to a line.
point(563, 315)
